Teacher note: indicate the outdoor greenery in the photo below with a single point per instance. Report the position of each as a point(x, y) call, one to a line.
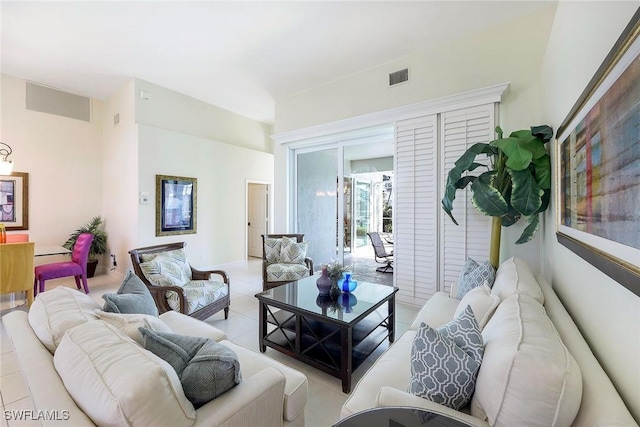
point(516, 184)
point(99, 243)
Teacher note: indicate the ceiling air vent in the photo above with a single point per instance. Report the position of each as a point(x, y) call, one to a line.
point(399, 77)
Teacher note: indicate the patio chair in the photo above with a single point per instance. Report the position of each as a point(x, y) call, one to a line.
point(381, 254)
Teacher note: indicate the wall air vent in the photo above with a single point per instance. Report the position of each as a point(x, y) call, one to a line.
point(116, 119)
point(47, 100)
point(399, 77)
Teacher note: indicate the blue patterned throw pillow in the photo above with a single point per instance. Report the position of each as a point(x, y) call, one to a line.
point(474, 275)
point(445, 361)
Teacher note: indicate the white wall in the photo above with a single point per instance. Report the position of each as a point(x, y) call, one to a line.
point(511, 52)
point(606, 312)
point(63, 158)
point(120, 175)
point(171, 110)
point(222, 171)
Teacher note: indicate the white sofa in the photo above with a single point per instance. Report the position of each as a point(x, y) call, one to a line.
point(91, 372)
point(521, 382)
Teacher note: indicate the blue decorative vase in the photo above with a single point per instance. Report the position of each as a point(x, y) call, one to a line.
point(347, 284)
point(324, 282)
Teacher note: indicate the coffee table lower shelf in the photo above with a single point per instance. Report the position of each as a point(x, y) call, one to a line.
point(326, 346)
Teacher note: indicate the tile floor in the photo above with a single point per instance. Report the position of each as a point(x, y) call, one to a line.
point(325, 392)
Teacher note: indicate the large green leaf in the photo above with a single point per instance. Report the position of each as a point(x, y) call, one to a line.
point(544, 132)
point(467, 160)
point(526, 195)
point(487, 199)
point(546, 198)
point(530, 230)
point(518, 158)
point(464, 181)
point(543, 171)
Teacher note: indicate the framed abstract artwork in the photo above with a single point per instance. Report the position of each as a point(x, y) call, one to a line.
point(14, 201)
point(598, 166)
point(176, 205)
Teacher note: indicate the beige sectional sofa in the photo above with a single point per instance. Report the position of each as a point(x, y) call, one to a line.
point(91, 371)
point(537, 369)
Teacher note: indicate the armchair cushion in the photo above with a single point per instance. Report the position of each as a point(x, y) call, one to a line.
point(286, 272)
point(206, 368)
point(199, 293)
point(293, 252)
point(169, 268)
point(132, 297)
point(272, 248)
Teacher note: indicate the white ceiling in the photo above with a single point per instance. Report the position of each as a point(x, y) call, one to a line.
point(241, 56)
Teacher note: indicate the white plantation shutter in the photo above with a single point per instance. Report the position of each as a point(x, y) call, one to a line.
point(460, 129)
point(416, 203)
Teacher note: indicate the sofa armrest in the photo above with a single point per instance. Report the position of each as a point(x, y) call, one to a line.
point(389, 396)
point(257, 400)
point(309, 263)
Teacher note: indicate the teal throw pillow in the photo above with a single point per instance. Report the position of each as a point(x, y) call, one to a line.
point(206, 368)
point(445, 361)
point(132, 297)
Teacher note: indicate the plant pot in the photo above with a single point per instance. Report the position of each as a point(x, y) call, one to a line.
point(91, 267)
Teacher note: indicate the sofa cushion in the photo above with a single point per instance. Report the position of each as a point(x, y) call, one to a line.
point(481, 302)
point(514, 276)
point(272, 248)
point(187, 325)
point(527, 377)
point(128, 324)
point(474, 275)
point(132, 297)
point(445, 361)
point(199, 293)
point(286, 272)
point(292, 251)
point(116, 382)
point(206, 368)
point(437, 311)
point(58, 310)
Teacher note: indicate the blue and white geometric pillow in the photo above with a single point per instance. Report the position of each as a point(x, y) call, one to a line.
point(473, 275)
point(445, 361)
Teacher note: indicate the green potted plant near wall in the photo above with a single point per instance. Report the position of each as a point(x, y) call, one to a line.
point(516, 184)
point(98, 245)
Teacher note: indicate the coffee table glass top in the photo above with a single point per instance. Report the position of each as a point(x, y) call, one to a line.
point(347, 308)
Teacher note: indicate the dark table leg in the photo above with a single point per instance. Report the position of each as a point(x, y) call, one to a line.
point(262, 326)
point(392, 318)
point(346, 336)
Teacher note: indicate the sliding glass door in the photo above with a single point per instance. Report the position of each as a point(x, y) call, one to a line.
point(317, 203)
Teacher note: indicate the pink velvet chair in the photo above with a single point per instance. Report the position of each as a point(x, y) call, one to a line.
point(77, 267)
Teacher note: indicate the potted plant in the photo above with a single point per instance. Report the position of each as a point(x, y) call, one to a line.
point(516, 184)
point(98, 245)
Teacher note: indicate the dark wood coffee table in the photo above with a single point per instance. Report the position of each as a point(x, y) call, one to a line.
point(335, 336)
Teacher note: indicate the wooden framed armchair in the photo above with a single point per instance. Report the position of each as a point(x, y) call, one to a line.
point(175, 285)
point(277, 269)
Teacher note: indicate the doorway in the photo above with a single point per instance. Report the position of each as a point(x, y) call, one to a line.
point(257, 217)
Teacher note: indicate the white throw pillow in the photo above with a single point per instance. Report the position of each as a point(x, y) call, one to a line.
point(293, 252)
point(58, 310)
point(129, 323)
point(514, 276)
point(527, 377)
point(482, 303)
point(117, 383)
